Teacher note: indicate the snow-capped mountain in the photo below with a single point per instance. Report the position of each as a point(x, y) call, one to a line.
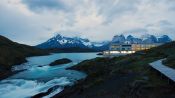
point(149, 39)
point(164, 38)
point(133, 40)
point(155, 39)
point(145, 39)
point(99, 44)
point(59, 41)
point(62, 42)
point(118, 39)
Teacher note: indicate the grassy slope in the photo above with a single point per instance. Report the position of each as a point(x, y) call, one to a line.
point(124, 77)
point(170, 61)
point(12, 53)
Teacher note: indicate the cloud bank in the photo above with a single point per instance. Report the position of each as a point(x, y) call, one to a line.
point(34, 21)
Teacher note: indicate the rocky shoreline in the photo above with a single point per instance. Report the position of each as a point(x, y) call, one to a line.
point(6, 72)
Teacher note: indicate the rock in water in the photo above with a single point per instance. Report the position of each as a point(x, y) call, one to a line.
point(60, 61)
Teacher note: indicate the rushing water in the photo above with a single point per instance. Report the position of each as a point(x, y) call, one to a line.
point(38, 76)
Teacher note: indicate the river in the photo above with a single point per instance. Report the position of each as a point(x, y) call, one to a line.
point(38, 76)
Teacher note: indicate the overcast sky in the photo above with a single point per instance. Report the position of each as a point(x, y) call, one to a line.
point(34, 21)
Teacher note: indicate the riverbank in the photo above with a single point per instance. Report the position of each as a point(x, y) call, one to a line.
point(40, 79)
point(13, 53)
point(122, 77)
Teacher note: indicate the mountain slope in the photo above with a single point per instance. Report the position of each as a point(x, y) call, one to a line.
point(164, 38)
point(119, 39)
point(14, 53)
point(67, 43)
point(145, 39)
point(59, 41)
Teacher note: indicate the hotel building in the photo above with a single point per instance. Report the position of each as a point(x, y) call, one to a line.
point(121, 49)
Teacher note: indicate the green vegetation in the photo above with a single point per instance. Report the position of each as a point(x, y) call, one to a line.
point(170, 61)
point(60, 61)
point(12, 53)
point(135, 78)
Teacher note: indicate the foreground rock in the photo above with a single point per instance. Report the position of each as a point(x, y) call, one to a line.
point(41, 95)
point(100, 53)
point(60, 61)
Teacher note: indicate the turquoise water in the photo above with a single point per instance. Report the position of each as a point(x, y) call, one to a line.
point(39, 76)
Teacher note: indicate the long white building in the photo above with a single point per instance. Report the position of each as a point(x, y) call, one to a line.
point(122, 49)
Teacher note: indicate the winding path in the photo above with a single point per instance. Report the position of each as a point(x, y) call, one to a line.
point(165, 70)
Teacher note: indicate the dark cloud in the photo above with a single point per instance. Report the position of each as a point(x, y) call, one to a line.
point(165, 23)
point(137, 30)
point(40, 5)
point(160, 24)
point(17, 26)
point(112, 10)
point(166, 26)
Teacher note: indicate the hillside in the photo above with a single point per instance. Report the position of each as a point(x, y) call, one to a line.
point(12, 53)
point(123, 77)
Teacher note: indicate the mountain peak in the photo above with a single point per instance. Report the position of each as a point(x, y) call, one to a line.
point(122, 35)
point(58, 36)
point(130, 36)
point(146, 38)
point(118, 38)
point(59, 41)
point(164, 38)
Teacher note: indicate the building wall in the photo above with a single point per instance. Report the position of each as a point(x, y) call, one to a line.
point(132, 47)
point(116, 47)
point(139, 47)
point(120, 47)
point(126, 47)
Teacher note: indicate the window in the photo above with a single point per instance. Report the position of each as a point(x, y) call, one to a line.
point(117, 48)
